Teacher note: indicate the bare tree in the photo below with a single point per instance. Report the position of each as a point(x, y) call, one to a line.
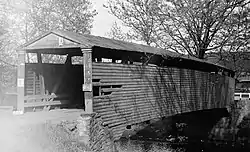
point(139, 16)
point(235, 54)
point(191, 26)
point(116, 32)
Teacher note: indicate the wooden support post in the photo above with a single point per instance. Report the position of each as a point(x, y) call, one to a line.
point(20, 80)
point(39, 58)
point(41, 77)
point(87, 74)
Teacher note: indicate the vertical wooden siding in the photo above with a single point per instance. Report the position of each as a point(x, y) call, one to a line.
point(33, 84)
point(131, 94)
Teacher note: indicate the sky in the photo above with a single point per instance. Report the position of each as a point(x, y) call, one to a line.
point(103, 20)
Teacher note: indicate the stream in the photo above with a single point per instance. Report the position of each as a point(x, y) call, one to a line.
point(125, 145)
point(201, 131)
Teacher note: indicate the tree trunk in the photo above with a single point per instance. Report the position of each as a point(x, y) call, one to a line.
point(201, 53)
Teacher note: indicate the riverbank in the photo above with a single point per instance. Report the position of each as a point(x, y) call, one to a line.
point(235, 127)
point(227, 130)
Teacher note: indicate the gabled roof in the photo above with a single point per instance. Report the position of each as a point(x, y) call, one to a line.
point(89, 41)
point(72, 39)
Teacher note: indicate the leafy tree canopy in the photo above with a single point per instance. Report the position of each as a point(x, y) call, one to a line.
point(73, 15)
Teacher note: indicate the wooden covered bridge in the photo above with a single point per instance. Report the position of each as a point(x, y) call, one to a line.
point(125, 83)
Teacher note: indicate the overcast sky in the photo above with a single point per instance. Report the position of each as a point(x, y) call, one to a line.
point(103, 20)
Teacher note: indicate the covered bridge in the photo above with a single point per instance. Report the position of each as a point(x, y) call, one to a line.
point(125, 83)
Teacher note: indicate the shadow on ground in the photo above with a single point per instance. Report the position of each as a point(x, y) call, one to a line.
point(190, 132)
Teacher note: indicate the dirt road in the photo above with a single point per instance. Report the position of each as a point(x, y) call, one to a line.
point(38, 132)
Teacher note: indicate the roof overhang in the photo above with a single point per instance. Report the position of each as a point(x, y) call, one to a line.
point(62, 42)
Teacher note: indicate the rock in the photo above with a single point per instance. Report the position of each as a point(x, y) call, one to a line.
point(236, 126)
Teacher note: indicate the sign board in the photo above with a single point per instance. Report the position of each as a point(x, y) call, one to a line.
point(60, 41)
point(20, 82)
point(86, 87)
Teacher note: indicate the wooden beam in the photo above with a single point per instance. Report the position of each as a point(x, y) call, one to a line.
point(41, 75)
point(47, 103)
point(87, 74)
point(20, 80)
point(39, 58)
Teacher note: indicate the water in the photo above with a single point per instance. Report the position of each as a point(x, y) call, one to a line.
point(153, 146)
point(198, 135)
point(145, 146)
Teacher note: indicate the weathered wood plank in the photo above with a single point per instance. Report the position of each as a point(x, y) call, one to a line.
point(87, 74)
point(48, 103)
point(39, 97)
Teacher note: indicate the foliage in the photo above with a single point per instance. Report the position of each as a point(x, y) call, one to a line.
point(237, 61)
point(191, 26)
point(22, 20)
point(45, 15)
point(7, 67)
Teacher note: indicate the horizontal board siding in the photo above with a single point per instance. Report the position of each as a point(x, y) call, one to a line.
point(148, 92)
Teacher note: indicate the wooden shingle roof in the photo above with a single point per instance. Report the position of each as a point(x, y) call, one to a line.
point(89, 41)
